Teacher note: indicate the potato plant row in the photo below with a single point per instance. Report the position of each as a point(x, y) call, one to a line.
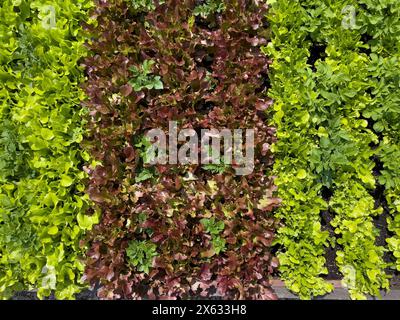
point(336, 106)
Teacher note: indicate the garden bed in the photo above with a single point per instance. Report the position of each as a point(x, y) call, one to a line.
point(111, 125)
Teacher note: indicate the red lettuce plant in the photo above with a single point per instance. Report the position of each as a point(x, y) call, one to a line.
point(178, 231)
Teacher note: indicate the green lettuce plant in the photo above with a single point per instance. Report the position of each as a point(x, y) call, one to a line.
point(142, 78)
point(42, 201)
point(141, 254)
point(214, 228)
point(329, 82)
point(209, 7)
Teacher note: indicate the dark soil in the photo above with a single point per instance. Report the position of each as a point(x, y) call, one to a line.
point(330, 253)
point(30, 295)
point(317, 52)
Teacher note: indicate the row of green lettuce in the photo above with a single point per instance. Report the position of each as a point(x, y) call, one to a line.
point(335, 82)
point(42, 200)
point(385, 110)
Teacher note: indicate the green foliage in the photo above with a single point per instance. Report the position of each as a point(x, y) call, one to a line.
point(144, 148)
point(359, 259)
point(144, 5)
point(142, 78)
point(141, 254)
point(214, 228)
point(12, 154)
point(209, 7)
point(145, 174)
point(218, 244)
point(389, 153)
point(380, 20)
point(42, 206)
point(302, 261)
point(215, 168)
point(324, 86)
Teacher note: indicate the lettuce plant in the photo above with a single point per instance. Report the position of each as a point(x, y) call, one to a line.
point(141, 254)
point(212, 230)
point(42, 202)
point(330, 118)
